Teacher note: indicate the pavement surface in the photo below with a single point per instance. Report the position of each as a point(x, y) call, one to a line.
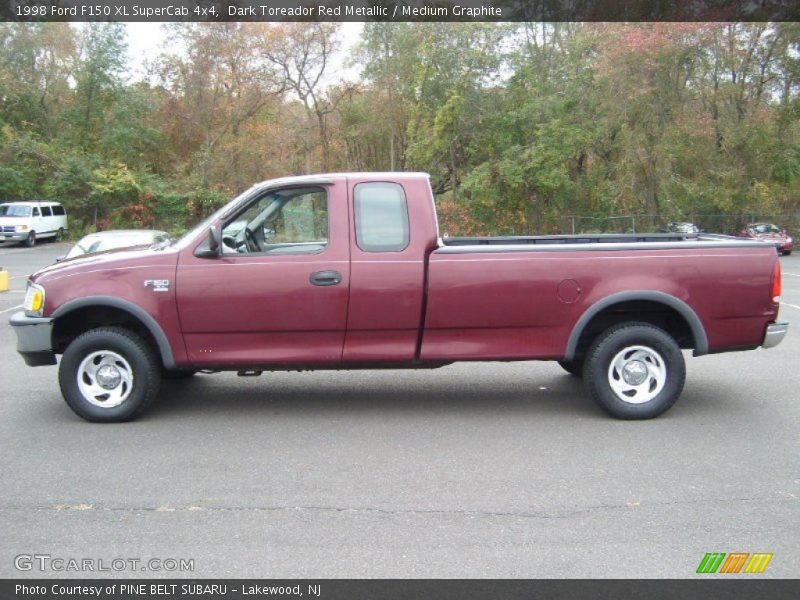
point(474, 470)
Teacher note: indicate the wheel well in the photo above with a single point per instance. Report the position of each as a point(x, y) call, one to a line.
point(69, 326)
point(644, 311)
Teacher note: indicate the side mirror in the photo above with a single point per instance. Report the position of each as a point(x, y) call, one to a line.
point(213, 246)
point(60, 258)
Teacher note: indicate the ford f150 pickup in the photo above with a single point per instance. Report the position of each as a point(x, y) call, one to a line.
point(348, 271)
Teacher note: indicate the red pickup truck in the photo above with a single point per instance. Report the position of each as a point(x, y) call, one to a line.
point(348, 271)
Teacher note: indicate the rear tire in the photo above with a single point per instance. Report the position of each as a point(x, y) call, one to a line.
point(634, 371)
point(574, 367)
point(30, 241)
point(109, 375)
point(59, 234)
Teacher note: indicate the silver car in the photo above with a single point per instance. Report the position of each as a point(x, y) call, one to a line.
point(114, 239)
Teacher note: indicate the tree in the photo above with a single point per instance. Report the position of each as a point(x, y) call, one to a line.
point(98, 78)
point(302, 53)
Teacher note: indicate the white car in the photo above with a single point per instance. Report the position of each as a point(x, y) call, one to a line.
point(114, 239)
point(26, 222)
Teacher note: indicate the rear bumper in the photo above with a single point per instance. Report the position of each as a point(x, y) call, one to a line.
point(775, 333)
point(34, 339)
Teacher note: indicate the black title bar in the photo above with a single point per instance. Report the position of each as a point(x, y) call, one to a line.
point(399, 10)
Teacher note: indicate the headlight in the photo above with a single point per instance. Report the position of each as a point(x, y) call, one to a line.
point(789, 240)
point(22, 228)
point(34, 300)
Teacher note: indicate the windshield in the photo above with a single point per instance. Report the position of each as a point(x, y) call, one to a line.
point(765, 229)
point(187, 237)
point(14, 210)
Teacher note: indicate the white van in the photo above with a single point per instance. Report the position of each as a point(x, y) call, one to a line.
point(26, 222)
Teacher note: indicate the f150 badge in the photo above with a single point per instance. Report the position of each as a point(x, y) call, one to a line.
point(158, 285)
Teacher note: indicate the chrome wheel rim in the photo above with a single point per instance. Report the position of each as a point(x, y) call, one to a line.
point(105, 379)
point(637, 374)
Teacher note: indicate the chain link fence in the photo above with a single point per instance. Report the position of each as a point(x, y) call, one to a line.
point(728, 224)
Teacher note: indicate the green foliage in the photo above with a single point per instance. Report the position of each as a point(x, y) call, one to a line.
point(522, 126)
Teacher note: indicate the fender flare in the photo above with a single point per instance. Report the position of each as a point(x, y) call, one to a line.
point(683, 309)
point(125, 305)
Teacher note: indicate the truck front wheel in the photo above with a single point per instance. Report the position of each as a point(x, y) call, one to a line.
point(634, 371)
point(573, 367)
point(109, 375)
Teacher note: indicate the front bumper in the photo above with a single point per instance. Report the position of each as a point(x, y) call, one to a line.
point(18, 236)
point(34, 339)
point(775, 333)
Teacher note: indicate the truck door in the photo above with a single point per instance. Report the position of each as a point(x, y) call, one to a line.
point(278, 293)
point(387, 269)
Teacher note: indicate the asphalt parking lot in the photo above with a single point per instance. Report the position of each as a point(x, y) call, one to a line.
point(473, 470)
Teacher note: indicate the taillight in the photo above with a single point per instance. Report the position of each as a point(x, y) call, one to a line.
point(776, 282)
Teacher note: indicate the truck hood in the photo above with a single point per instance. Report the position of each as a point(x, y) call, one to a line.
point(110, 260)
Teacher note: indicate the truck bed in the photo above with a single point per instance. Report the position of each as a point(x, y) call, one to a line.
point(596, 241)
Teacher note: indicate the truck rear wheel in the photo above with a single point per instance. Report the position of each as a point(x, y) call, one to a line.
point(634, 371)
point(109, 375)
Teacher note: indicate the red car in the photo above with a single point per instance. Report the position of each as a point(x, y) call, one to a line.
point(769, 233)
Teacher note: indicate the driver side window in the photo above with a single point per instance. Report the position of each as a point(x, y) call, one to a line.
point(281, 222)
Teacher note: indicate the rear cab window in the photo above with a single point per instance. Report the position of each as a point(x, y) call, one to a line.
point(381, 213)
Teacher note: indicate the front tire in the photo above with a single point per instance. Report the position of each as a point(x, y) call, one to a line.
point(109, 375)
point(30, 241)
point(634, 371)
point(574, 367)
point(177, 374)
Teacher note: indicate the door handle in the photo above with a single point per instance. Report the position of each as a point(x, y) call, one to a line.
point(324, 278)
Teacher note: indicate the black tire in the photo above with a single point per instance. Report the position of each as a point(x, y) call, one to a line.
point(574, 367)
point(59, 234)
point(659, 365)
point(177, 373)
point(30, 241)
point(138, 362)
point(787, 253)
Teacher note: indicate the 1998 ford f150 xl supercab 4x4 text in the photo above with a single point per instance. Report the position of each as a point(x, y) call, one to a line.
point(348, 271)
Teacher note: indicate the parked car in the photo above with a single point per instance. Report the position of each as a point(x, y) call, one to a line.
point(116, 238)
point(680, 227)
point(768, 232)
point(25, 222)
point(348, 271)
